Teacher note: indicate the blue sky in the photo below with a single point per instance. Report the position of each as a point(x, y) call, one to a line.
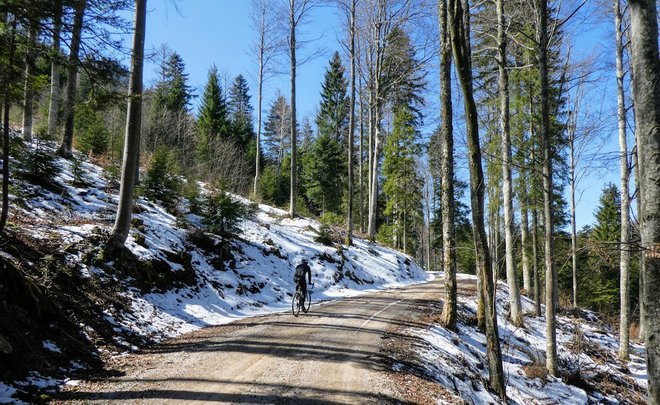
point(207, 32)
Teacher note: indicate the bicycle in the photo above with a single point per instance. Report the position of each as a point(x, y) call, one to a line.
point(296, 303)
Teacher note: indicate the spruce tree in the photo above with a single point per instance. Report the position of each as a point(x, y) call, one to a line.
point(276, 141)
point(321, 174)
point(332, 118)
point(212, 122)
point(240, 112)
point(173, 92)
point(403, 186)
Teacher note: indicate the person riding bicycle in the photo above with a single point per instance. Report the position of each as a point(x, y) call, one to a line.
point(299, 278)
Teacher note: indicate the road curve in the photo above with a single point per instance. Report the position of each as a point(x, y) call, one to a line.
point(331, 355)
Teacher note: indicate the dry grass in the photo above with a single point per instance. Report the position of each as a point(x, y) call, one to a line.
point(536, 370)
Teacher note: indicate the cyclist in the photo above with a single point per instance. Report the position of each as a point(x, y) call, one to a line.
point(299, 278)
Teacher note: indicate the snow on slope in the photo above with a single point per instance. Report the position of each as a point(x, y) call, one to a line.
point(587, 351)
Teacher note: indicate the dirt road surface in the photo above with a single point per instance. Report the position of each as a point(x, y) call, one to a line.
point(341, 352)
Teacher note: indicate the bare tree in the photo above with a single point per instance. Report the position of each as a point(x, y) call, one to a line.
point(133, 124)
point(71, 79)
point(646, 96)
point(548, 220)
point(264, 51)
point(449, 311)
point(458, 15)
point(507, 186)
point(624, 288)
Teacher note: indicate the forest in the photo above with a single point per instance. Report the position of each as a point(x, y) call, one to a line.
point(456, 132)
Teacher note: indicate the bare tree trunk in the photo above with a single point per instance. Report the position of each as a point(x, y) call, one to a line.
point(550, 270)
point(535, 263)
point(8, 77)
point(257, 170)
point(351, 123)
point(524, 234)
point(458, 23)
point(361, 165)
point(294, 148)
point(642, 317)
point(28, 90)
point(71, 80)
point(373, 192)
point(624, 288)
point(54, 103)
point(449, 311)
point(509, 232)
point(571, 175)
point(133, 124)
point(646, 95)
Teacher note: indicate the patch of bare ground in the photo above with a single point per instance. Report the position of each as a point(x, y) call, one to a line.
point(406, 373)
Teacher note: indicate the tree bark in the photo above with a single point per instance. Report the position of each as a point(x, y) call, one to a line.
point(294, 149)
point(351, 123)
point(624, 288)
point(524, 235)
point(458, 23)
point(449, 311)
point(646, 96)
point(550, 270)
point(28, 90)
point(54, 103)
point(133, 126)
point(8, 77)
point(507, 186)
point(571, 176)
point(71, 80)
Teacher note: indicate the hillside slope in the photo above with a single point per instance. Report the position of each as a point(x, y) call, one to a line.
point(179, 279)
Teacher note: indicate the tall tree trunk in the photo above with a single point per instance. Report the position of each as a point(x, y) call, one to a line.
point(457, 22)
point(28, 90)
point(507, 186)
point(54, 103)
point(550, 270)
point(71, 80)
point(361, 165)
point(133, 124)
point(351, 124)
point(624, 288)
point(535, 263)
point(642, 317)
point(294, 129)
point(8, 77)
point(646, 96)
point(571, 176)
point(449, 311)
point(524, 235)
point(262, 45)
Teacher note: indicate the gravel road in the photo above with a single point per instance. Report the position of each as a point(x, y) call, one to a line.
point(334, 354)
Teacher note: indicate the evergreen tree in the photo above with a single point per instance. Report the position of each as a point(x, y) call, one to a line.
point(276, 142)
point(404, 77)
point(332, 118)
point(212, 122)
point(173, 92)
point(403, 185)
point(240, 112)
point(320, 175)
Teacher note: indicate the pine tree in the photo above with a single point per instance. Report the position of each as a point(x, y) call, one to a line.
point(276, 142)
point(332, 118)
point(212, 122)
point(240, 112)
point(173, 92)
point(402, 187)
point(320, 176)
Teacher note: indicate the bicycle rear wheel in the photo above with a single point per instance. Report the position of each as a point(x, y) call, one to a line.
point(308, 302)
point(295, 303)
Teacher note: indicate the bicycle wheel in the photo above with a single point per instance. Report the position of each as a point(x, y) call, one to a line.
point(308, 302)
point(295, 304)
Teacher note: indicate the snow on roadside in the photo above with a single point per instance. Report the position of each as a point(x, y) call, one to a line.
point(458, 360)
point(257, 279)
